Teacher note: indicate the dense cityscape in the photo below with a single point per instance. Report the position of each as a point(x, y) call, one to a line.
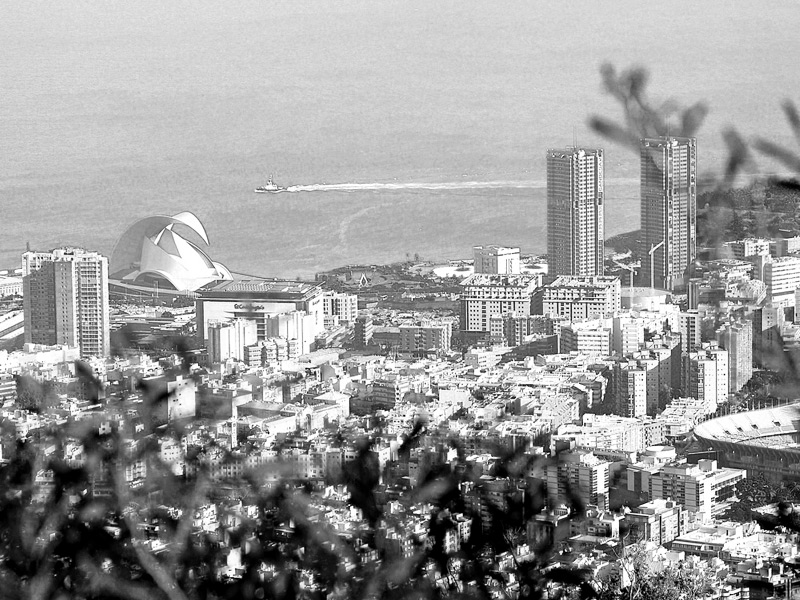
point(480, 426)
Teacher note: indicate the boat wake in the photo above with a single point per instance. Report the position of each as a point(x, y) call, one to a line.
point(452, 185)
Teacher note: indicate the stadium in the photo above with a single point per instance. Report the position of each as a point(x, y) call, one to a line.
point(762, 441)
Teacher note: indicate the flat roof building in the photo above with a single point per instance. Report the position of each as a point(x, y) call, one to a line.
point(496, 260)
point(581, 473)
point(575, 195)
point(782, 278)
point(257, 299)
point(65, 299)
point(582, 297)
point(485, 296)
point(590, 337)
point(10, 286)
point(425, 337)
point(668, 209)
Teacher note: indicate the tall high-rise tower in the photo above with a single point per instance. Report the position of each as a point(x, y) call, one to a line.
point(65, 299)
point(668, 209)
point(575, 193)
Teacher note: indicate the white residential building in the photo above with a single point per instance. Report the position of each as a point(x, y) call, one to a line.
point(628, 334)
point(344, 306)
point(782, 277)
point(583, 473)
point(484, 296)
point(588, 337)
point(496, 260)
point(690, 328)
point(705, 375)
point(700, 488)
point(10, 286)
point(582, 297)
point(575, 205)
point(229, 340)
point(737, 338)
point(65, 299)
point(426, 336)
point(742, 249)
point(630, 386)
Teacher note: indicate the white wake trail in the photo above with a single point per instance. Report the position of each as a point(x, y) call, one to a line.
point(452, 185)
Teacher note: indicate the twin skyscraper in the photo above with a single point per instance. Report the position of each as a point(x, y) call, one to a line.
point(575, 210)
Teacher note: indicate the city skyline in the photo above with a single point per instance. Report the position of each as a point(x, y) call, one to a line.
point(335, 400)
point(149, 127)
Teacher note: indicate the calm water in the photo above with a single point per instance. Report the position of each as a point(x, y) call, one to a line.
point(111, 112)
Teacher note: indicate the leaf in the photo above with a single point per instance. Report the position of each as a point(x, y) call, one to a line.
point(614, 132)
point(362, 475)
point(88, 378)
point(738, 155)
point(412, 441)
point(635, 80)
point(435, 490)
point(782, 155)
point(792, 116)
point(789, 184)
point(693, 118)
point(609, 75)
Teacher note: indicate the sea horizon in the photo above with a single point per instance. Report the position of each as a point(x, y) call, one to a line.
point(118, 113)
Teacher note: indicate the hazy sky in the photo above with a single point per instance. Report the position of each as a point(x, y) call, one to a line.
point(148, 106)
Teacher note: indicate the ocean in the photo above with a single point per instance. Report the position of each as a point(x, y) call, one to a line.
point(410, 127)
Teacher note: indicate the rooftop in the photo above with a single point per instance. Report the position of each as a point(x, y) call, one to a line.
point(789, 259)
point(572, 150)
point(501, 280)
point(259, 286)
point(580, 282)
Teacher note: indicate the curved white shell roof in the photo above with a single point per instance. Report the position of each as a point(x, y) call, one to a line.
point(151, 246)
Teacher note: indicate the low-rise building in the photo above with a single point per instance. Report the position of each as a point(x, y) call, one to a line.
point(342, 306)
point(782, 277)
point(426, 337)
point(229, 340)
point(703, 489)
point(364, 331)
point(496, 260)
point(705, 375)
point(587, 337)
point(660, 521)
point(583, 474)
point(582, 297)
point(10, 286)
point(743, 249)
point(484, 296)
point(611, 432)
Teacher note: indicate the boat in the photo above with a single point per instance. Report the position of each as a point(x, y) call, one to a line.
point(269, 187)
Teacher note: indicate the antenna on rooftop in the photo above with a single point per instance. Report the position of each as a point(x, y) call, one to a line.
point(574, 138)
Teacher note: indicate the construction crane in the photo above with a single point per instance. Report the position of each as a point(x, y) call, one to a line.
point(650, 252)
point(627, 268)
